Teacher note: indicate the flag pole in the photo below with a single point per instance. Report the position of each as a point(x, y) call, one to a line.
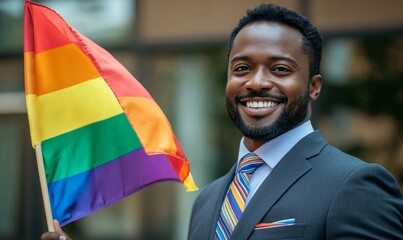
point(44, 187)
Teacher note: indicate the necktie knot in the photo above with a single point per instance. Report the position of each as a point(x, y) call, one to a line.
point(249, 163)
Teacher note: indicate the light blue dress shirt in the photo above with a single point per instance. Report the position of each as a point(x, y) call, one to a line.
point(271, 153)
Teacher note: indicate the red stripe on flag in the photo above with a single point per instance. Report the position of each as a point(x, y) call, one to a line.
point(52, 36)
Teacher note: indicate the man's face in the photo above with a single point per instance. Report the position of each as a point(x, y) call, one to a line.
point(267, 91)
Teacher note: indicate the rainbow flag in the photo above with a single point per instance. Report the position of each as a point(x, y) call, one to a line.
point(102, 135)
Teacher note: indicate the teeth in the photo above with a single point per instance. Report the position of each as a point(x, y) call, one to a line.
point(261, 104)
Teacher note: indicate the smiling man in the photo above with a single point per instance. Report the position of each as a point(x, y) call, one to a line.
point(269, 85)
point(288, 182)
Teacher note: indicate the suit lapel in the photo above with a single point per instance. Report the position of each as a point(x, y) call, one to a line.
point(292, 167)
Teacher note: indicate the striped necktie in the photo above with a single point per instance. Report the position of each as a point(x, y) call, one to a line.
point(234, 203)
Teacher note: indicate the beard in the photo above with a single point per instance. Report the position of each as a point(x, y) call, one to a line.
point(292, 115)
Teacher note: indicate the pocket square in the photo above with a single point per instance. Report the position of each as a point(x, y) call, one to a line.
point(281, 223)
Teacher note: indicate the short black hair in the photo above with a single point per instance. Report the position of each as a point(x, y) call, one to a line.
point(312, 39)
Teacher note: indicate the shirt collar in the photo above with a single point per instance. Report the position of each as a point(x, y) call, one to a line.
point(273, 151)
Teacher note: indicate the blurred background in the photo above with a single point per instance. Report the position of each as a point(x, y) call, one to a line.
point(177, 50)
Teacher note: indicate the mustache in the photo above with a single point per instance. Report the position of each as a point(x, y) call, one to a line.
point(278, 97)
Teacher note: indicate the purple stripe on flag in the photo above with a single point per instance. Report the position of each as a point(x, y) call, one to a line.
point(82, 194)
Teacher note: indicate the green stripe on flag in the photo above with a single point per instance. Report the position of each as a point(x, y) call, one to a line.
point(88, 147)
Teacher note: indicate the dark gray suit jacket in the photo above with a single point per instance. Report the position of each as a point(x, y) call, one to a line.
point(331, 195)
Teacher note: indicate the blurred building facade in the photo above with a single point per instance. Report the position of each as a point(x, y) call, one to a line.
point(177, 50)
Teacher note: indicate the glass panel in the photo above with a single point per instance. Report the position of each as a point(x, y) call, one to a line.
point(11, 12)
point(361, 102)
point(10, 174)
point(103, 21)
point(11, 74)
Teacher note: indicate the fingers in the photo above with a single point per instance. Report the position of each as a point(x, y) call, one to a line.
point(57, 227)
point(52, 236)
point(57, 235)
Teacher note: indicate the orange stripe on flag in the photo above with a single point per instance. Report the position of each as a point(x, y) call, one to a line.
point(30, 84)
point(60, 68)
point(150, 124)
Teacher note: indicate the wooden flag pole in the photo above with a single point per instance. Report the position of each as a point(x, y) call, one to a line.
point(44, 187)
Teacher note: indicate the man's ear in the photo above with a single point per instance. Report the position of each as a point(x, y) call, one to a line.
point(314, 87)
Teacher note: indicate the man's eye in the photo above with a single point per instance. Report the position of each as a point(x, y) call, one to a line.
point(281, 69)
point(241, 68)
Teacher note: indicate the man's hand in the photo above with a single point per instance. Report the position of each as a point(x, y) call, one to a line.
point(57, 235)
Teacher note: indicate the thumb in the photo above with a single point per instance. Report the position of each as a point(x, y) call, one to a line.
point(59, 230)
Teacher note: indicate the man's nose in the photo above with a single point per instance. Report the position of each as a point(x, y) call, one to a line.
point(259, 80)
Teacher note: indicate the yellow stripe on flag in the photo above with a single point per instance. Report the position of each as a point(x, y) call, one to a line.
point(190, 184)
point(62, 111)
point(150, 124)
point(57, 68)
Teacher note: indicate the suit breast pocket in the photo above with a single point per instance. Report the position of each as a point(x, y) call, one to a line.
point(295, 231)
